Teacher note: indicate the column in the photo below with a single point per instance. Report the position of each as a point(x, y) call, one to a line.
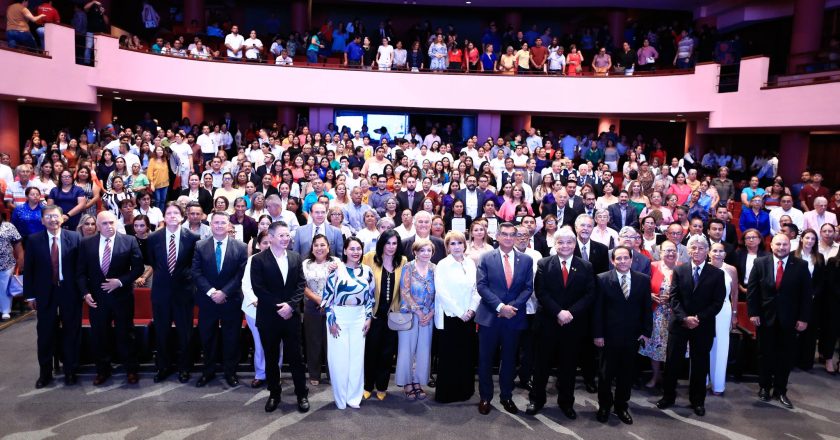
point(10, 131)
point(521, 122)
point(806, 33)
point(488, 125)
point(616, 20)
point(604, 124)
point(793, 154)
point(301, 13)
point(287, 115)
point(193, 110)
point(194, 10)
point(319, 117)
point(106, 112)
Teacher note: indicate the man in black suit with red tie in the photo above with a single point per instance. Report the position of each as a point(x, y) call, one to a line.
point(108, 265)
point(217, 268)
point(621, 320)
point(697, 294)
point(597, 254)
point(51, 289)
point(170, 255)
point(565, 289)
point(779, 300)
point(278, 282)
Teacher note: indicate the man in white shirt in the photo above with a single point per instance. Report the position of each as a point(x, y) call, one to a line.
point(786, 208)
point(234, 44)
point(205, 141)
point(6, 173)
point(183, 153)
point(385, 55)
point(253, 47)
point(533, 141)
point(431, 138)
point(129, 157)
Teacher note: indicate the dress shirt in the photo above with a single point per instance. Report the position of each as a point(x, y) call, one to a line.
point(776, 265)
point(511, 259)
point(627, 274)
point(50, 236)
point(282, 263)
point(102, 239)
point(748, 267)
point(471, 203)
point(354, 216)
point(796, 216)
point(168, 237)
point(224, 248)
point(693, 268)
point(588, 249)
point(455, 289)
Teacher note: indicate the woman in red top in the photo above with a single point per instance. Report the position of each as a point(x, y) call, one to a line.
point(660, 287)
point(456, 58)
point(574, 61)
point(472, 54)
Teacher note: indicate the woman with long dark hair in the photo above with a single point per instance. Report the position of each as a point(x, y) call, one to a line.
point(316, 268)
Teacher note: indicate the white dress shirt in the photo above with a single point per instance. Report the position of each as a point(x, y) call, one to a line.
point(471, 202)
point(50, 236)
point(220, 266)
point(168, 236)
point(512, 260)
point(627, 274)
point(455, 289)
point(248, 295)
point(282, 263)
point(776, 265)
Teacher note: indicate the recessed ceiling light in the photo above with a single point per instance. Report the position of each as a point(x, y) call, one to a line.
point(21, 100)
point(117, 97)
point(129, 99)
point(469, 2)
point(679, 116)
point(221, 100)
point(672, 120)
point(99, 95)
point(116, 92)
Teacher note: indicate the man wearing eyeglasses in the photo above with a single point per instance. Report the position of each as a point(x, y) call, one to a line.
point(628, 237)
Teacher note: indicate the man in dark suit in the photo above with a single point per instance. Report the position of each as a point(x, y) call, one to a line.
point(278, 282)
point(622, 213)
point(423, 229)
point(51, 289)
point(620, 320)
point(561, 210)
point(697, 293)
point(565, 289)
point(715, 235)
point(598, 255)
point(217, 267)
point(505, 281)
point(779, 297)
point(410, 199)
point(530, 176)
point(575, 201)
point(628, 237)
point(318, 225)
point(729, 231)
point(171, 252)
point(589, 204)
point(108, 265)
point(506, 176)
point(473, 198)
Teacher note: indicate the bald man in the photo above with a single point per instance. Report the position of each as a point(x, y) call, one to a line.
point(109, 263)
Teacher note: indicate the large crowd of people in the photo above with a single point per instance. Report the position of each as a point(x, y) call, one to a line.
point(600, 247)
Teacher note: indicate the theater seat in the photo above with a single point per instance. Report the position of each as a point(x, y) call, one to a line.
point(744, 322)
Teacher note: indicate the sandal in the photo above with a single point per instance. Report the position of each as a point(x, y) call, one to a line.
point(420, 394)
point(410, 393)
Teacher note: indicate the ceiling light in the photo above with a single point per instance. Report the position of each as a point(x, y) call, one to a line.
point(116, 92)
point(469, 2)
point(21, 100)
point(672, 120)
point(99, 95)
point(679, 116)
point(129, 99)
point(117, 97)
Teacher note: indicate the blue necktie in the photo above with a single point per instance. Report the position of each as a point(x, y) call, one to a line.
point(218, 256)
point(696, 275)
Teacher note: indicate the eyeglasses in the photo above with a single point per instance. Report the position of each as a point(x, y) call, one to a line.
point(507, 234)
point(51, 216)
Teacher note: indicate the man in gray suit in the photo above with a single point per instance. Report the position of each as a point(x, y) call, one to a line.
point(303, 236)
point(531, 177)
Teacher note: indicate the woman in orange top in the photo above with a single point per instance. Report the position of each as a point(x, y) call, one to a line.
point(507, 64)
point(456, 58)
point(574, 61)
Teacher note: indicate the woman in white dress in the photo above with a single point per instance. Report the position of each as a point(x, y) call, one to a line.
point(725, 321)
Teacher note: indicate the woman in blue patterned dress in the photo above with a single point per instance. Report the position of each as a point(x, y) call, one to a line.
point(437, 54)
point(348, 303)
point(417, 285)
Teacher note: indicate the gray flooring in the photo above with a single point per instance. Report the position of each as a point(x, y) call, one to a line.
point(174, 411)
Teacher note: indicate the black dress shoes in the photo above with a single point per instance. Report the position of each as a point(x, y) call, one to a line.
point(256, 383)
point(591, 387)
point(432, 382)
point(510, 407)
point(100, 379)
point(533, 408)
point(484, 407)
point(303, 404)
point(569, 412)
point(664, 403)
point(700, 410)
point(602, 415)
point(42, 382)
point(783, 399)
point(71, 379)
point(764, 394)
point(161, 376)
point(624, 416)
point(272, 403)
point(232, 380)
point(524, 384)
point(183, 377)
point(203, 380)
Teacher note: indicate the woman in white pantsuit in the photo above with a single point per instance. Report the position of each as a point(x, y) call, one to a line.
point(249, 306)
point(724, 321)
point(348, 302)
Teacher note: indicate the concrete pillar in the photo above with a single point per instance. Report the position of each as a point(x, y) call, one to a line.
point(793, 154)
point(10, 131)
point(616, 20)
point(301, 15)
point(604, 124)
point(106, 112)
point(521, 122)
point(319, 117)
point(193, 110)
point(195, 10)
point(806, 32)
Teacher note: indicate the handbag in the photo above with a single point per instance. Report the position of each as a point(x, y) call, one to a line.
point(15, 286)
point(399, 321)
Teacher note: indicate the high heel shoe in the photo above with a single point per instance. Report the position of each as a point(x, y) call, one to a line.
point(830, 367)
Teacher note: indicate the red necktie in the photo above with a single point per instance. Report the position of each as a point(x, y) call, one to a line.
point(54, 260)
point(508, 272)
point(565, 273)
point(780, 270)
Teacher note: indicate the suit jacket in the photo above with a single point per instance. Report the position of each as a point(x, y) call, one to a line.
point(302, 243)
point(569, 214)
point(640, 262)
point(704, 300)
point(599, 256)
point(267, 191)
point(440, 249)
point(631, 217)
point(811, 220)
point(126, 265)
point(741, 263)
point(789, 303)
point(177, 286)
point(506, 177)
point(462, 196)
point(205, 199)
point(271, 288)
point(730, 235)
point(206, 276)
point(37, 278)
point(534, 181)
point(576, 296)
point(577, 204)
point(492, 287)
point(620, 321)
point(402, 202)
point(541, 243)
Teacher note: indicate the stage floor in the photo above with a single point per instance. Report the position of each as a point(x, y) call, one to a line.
point(171, 410)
